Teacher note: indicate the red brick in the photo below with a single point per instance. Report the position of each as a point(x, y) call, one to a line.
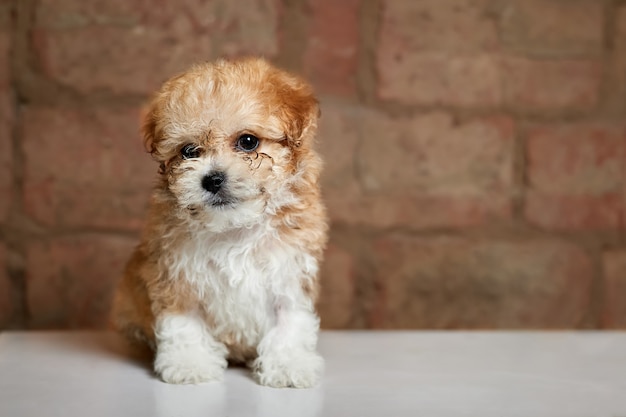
point(447, 60)
point(455, 57)
point(614, 312)
point(118, 59)
point(6, 155)
point(574, 212)
point(551, 27)
point(134, 46)
point(440, 78)
point(6, 127)
point(620, 26)
point(337, 277)
point(432, 157)
point(6, 7)
point(451, 283)
point(423, 172)
point(577, 158)
point(5, 61)
point(432, 154)
point(617, 65)
point(6, 299)
point(70, 280)
point(434, 25)
point(85, 167)
point(551, 85)
point(338, 138)
point(418, 211)
point(576, 176)
point(65, 14)
point(330, 57)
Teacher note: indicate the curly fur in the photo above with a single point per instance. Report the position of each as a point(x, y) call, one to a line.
point(231, 274)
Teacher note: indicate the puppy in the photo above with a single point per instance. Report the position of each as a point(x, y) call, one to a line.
point(228, 261)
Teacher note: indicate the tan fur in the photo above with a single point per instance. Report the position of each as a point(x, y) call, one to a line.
point(197, 107)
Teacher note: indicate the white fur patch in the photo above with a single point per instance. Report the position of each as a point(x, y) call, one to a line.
point(287, 356)
point(186, 352)
point(244, 276)
point(251, 286)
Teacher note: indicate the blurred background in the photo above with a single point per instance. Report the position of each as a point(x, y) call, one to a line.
point(475, 152)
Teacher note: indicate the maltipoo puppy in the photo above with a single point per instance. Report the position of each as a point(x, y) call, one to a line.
point(228, 261)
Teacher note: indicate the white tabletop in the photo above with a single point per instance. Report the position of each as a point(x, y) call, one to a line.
point(368, 374)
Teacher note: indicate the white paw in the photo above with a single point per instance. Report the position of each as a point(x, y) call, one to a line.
point(300, 369)
point(189, 365)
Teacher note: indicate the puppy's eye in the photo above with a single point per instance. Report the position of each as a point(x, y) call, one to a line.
point(247, 142)
point(190, 150)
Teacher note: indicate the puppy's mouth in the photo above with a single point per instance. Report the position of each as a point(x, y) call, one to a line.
point(212, 203)
point(218, 201)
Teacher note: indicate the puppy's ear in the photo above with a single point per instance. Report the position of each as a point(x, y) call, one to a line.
point(298, 109)
point(148, 128)
point(301, 114)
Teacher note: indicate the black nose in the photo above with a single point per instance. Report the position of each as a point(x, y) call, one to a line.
point(213, 181)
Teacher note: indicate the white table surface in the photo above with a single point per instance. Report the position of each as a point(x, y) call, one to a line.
point(529, 374)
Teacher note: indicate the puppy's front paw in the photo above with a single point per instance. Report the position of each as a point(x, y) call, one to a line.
point(300, 369)
point(189, 365)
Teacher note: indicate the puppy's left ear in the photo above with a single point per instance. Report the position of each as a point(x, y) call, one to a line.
point(299, 111)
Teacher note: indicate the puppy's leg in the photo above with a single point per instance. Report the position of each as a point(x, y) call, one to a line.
point(287, 356)
point(186, 351)
point(131, 313)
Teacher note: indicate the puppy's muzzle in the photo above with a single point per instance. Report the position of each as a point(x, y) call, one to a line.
point(213, 181)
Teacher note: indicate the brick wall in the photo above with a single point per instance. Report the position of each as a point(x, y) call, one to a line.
point(475, 151)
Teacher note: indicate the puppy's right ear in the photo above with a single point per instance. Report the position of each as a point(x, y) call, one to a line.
point(148, 128)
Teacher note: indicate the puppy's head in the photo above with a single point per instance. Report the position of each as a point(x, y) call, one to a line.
point(234, 141)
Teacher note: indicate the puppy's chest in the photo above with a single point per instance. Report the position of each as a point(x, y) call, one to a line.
point(234, 287)
point(240, 281)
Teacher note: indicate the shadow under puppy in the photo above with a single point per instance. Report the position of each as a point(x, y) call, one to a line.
point(228, 260)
